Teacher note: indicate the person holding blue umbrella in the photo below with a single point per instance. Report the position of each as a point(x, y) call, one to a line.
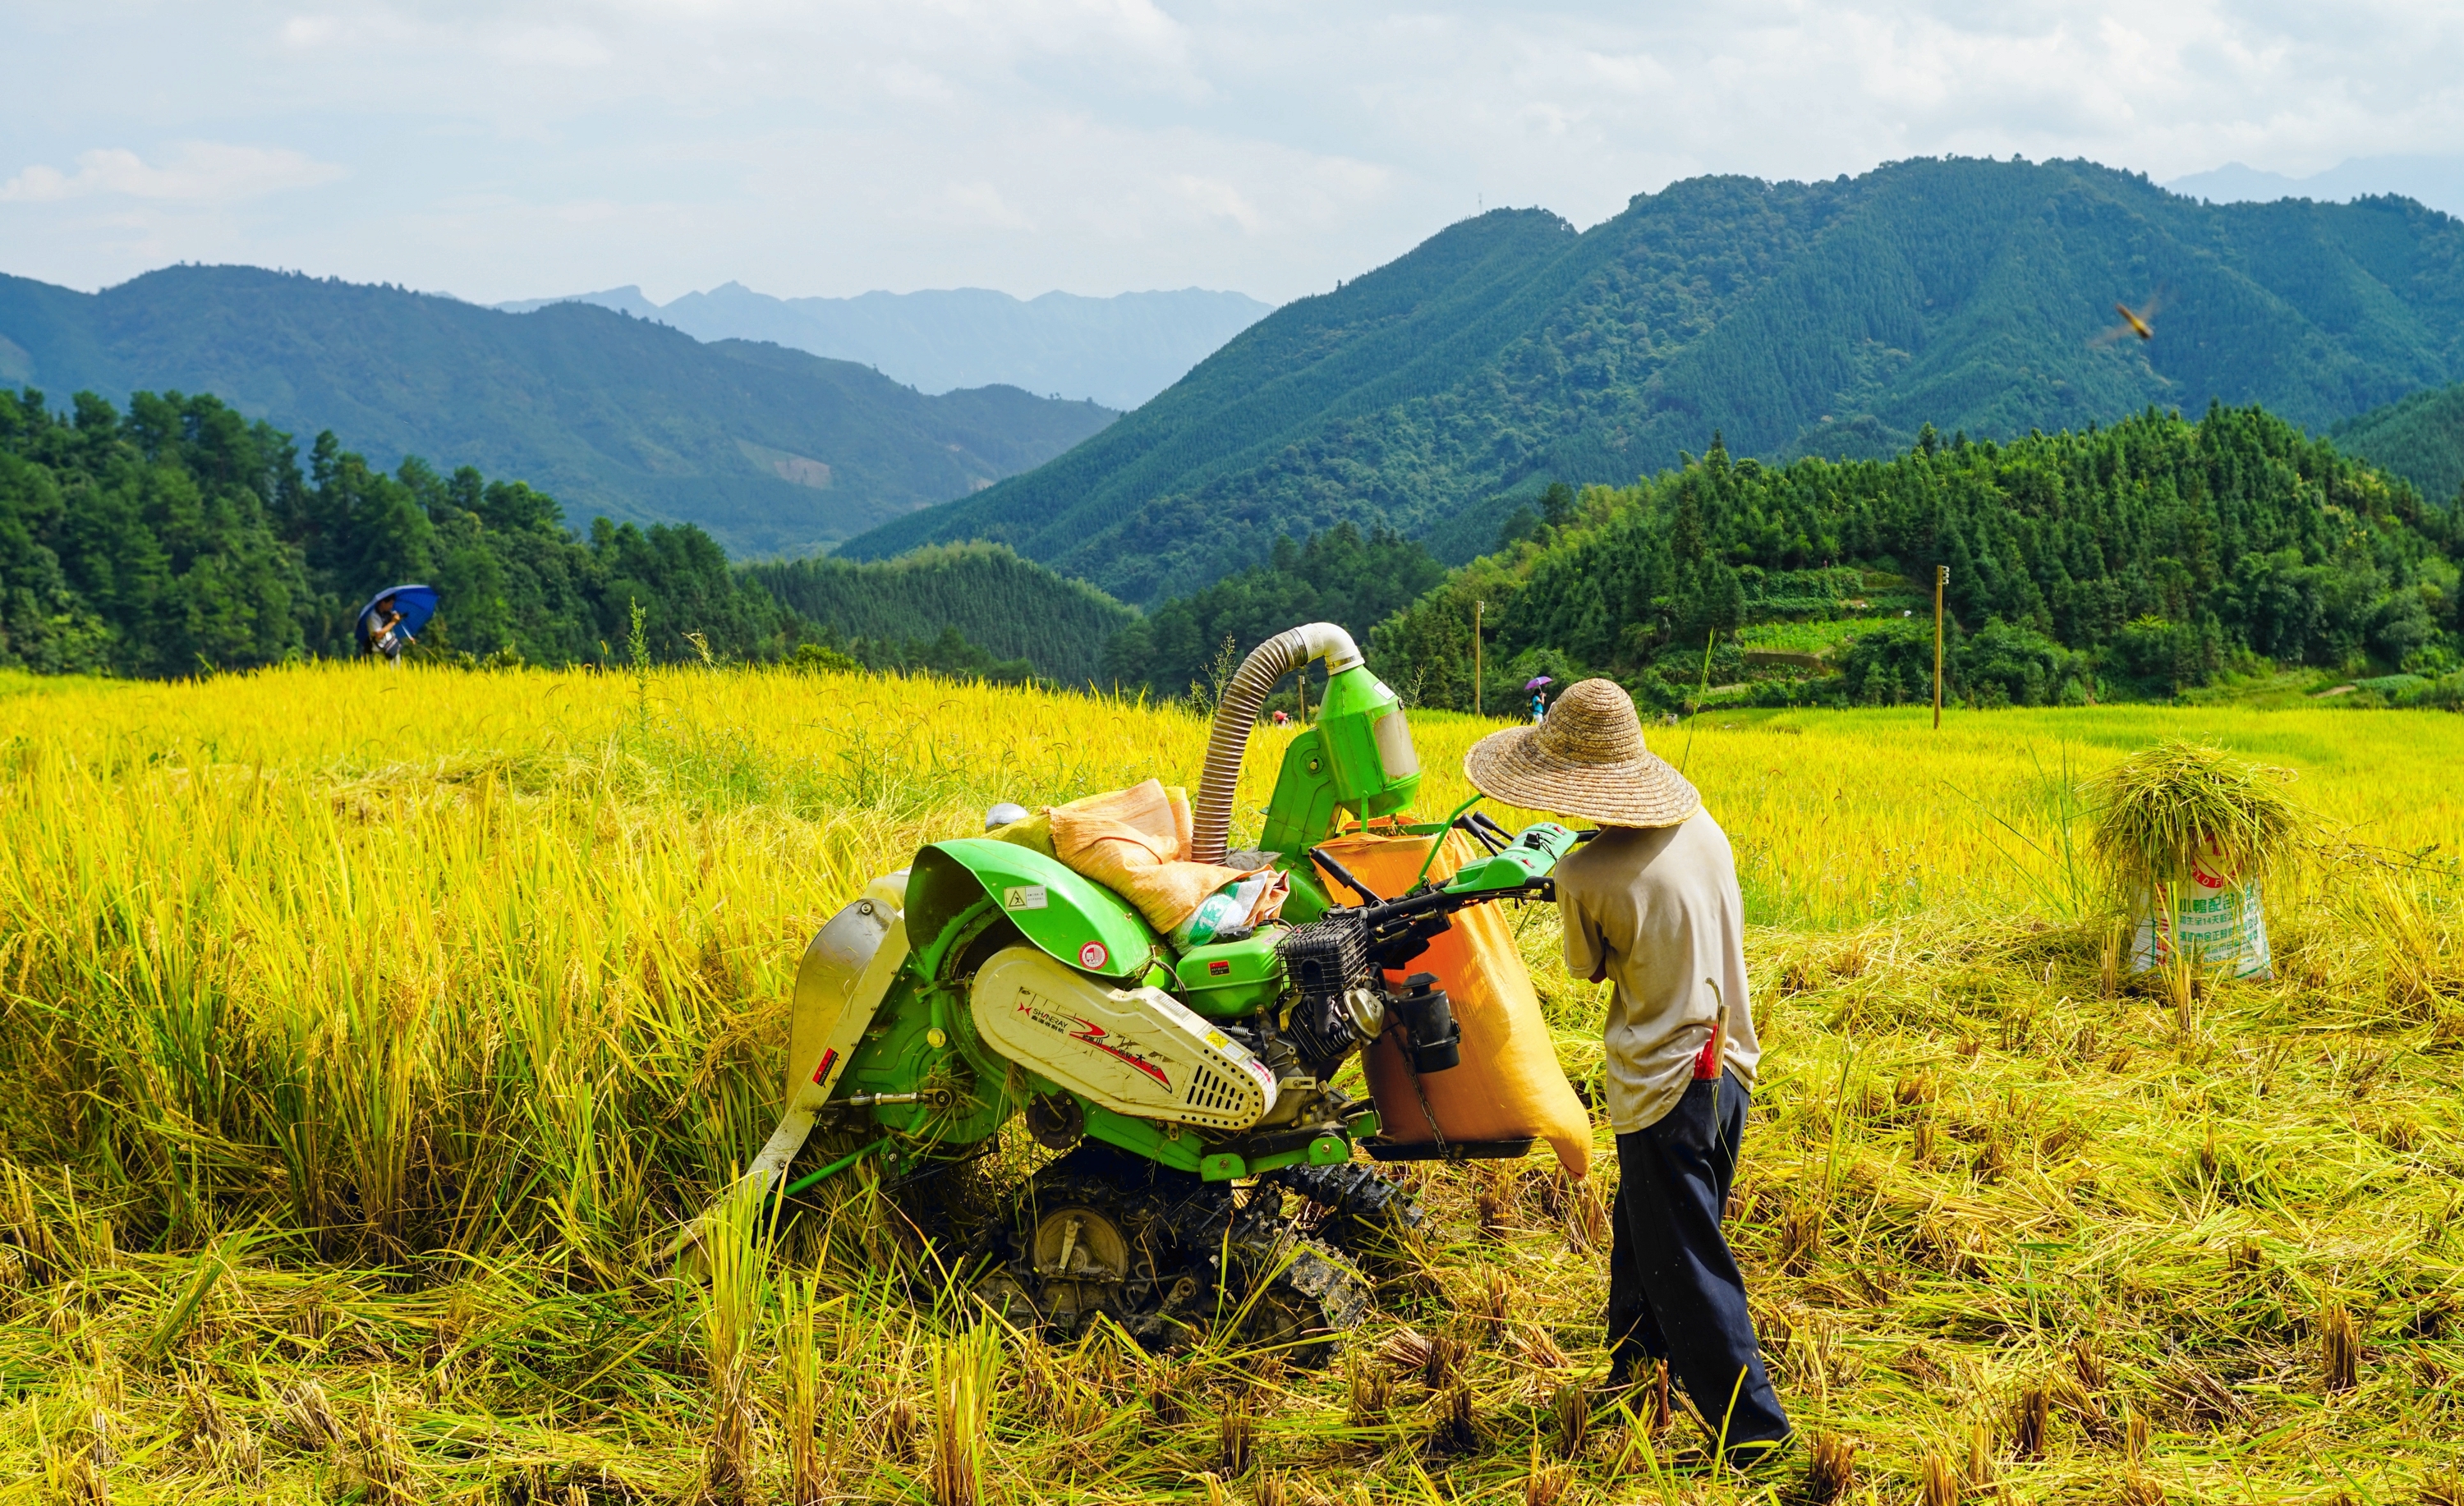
point(391, 621)
point(1539, 688)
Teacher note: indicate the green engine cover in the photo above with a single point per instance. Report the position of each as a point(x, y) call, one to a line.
point(1226, 979)
point(1076, 920)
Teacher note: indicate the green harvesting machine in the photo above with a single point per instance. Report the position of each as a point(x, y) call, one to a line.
point(1187, 1092)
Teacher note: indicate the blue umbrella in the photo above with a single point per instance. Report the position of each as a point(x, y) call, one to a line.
point(416, 603)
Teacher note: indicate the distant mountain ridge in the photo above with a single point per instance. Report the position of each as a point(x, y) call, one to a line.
point(1118, 351)
point(2435, 179)
point(1439, 392)
point(772, 450)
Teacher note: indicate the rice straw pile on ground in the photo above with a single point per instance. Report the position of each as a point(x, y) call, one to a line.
point(2157, 810)
point(366, 1034)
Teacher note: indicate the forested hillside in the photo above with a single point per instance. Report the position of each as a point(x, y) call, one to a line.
point(2136, 558)
point(2420, 438)
point(1008, 607)
point(1441, 392)
point(181, 536)
point(771, 451)
point(1336, 577)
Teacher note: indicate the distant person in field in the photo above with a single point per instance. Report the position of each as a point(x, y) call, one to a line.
point(380, 631)
point(1539, 706)
point(1651, 905)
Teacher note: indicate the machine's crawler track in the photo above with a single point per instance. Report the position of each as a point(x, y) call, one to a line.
point(1360, 1205)
point(1166, 1256)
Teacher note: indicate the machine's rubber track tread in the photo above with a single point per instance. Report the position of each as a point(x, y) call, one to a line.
point(1142, 1214)
point(1359, 1203)
point(1307, 1274)
point(1312, 1295)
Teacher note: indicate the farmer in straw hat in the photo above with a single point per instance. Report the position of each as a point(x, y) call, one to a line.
point(1651, 905)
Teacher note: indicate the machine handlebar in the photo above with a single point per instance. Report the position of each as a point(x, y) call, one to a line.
point(1400, 929)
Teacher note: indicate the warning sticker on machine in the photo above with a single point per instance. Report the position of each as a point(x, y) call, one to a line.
point(1024, 897)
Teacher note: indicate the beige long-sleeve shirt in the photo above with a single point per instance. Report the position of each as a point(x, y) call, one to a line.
point(1657, 912)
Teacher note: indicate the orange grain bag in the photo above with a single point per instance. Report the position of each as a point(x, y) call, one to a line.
point(1508, 1085)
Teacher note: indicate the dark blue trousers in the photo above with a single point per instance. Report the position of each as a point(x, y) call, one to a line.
point(1674, 1291)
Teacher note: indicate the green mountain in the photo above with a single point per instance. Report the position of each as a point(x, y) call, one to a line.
point(1441, 392)
point(2132, 559)
point(771, 451)
point(1011, 608)
point(2420, 438)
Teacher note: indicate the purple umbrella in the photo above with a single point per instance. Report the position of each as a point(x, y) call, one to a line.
point(1537, 683)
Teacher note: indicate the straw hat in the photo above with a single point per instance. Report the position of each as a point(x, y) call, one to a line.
point(1586, 758)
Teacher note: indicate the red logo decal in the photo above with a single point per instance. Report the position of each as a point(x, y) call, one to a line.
point(1093, 955)
point(828, 1056)
point(1093, 1034)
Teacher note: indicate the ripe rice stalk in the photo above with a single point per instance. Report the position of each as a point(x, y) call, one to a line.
point(1570, 1412)
point(1937, 1479)
point(1830, 1467)
point(489, 987)
point(1235, 1438)
point(1453, 1427)
point(966, 1369)
point(1801, 1237)
point(2340, 1349)
point(1368, 1389)
point(314, 1426)
point(1544, 1480)
point(205, 1427)
point(809, 1480)
point(1496, 1202)
point(74, 1477)
point(1492, 1301)
point(378, 1461)
point(1587, 1215)
point(1660, 1411)
point(737, 1251)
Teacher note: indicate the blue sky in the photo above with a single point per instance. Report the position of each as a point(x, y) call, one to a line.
point(520, 149)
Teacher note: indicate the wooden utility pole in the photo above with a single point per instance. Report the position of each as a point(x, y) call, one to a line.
point(1941, 578)
point(1477, 608)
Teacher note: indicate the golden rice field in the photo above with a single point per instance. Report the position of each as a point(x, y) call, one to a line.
point(364, 1036)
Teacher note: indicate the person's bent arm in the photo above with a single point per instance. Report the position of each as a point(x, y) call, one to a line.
point(1587, 953)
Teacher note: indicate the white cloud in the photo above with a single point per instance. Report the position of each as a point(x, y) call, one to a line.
point(517, 147)
point(192, 173)
point(1216, 198)
point(975, 206)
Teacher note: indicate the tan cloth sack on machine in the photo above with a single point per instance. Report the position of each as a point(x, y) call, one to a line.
point(1133, 843)
point(1509, 1084)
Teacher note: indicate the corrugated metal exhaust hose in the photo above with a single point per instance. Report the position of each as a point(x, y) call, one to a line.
point(1211, 813)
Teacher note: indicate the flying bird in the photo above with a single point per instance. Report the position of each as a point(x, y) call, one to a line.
point(2134, 321)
